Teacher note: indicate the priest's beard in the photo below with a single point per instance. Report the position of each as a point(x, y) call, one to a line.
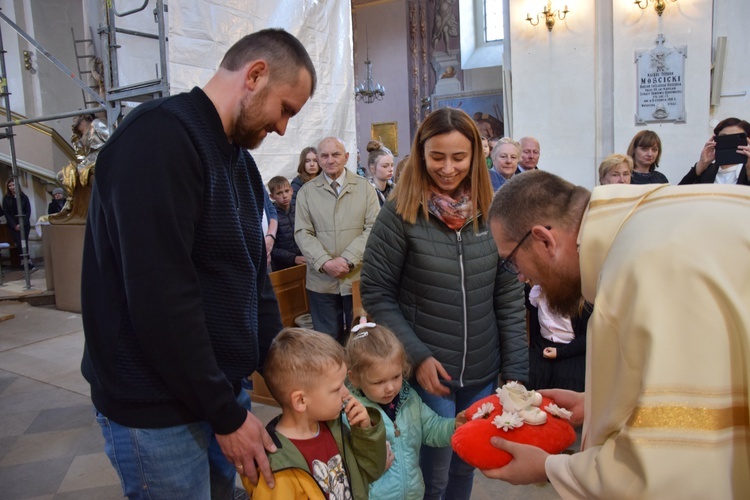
point(249, 129)
point(561, 288)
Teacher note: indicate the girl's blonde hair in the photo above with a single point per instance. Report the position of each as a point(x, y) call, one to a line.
point(369, 346)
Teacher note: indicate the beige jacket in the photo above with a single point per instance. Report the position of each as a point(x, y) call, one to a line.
point(668, 345)
point(328, 226)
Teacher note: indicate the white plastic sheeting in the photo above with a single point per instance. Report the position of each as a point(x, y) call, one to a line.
point(201, 31)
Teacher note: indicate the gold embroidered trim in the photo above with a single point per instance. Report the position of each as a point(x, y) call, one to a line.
point(686, 417)
point(594, 204)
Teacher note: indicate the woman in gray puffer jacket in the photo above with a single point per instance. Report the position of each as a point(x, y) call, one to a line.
point(431, 274)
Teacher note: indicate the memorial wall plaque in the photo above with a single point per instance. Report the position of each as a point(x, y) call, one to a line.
point(661, 83)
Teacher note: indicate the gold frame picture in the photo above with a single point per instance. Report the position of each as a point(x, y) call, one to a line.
point(387, 133)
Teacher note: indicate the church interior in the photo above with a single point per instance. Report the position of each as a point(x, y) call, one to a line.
point(581, 76)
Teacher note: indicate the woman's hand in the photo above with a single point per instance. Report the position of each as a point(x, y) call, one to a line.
point(550, 352)
point(429, 373)
point(708, 154)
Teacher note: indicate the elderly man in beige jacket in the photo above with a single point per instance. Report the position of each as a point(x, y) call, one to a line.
point(335, 213)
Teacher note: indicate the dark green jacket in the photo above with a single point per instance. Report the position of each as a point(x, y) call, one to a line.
point(442, 292)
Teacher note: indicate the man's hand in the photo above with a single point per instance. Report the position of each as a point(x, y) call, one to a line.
point(336, 267)
point(429, 373)
point(299, 260)
point(246, 449)
point(527, 466)
point(570, 400)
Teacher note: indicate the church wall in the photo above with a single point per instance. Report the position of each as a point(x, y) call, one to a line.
point(385, 25)
point(553, 84)
point(574, 88)
point(685, 23)
point(730, 20)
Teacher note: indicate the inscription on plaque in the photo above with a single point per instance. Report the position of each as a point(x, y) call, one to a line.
point(661, 83)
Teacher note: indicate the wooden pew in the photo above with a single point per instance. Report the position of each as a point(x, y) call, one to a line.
point(13, 251)
point(289, 285)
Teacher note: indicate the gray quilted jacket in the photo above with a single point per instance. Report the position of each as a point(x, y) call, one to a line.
point(443, 294)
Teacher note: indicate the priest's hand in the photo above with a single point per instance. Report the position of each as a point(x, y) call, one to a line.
point(570, 400)
point(527, 466)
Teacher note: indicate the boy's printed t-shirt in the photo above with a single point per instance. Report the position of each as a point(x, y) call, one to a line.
point(325, 462)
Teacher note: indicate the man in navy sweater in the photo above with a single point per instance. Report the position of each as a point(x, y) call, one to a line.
point(177, 305)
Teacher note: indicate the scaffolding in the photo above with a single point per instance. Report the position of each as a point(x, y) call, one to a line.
point(110, 103)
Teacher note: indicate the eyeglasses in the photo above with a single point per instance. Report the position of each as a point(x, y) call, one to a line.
point(507, 263)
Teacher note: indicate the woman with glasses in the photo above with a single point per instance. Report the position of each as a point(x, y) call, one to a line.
point(431, 273)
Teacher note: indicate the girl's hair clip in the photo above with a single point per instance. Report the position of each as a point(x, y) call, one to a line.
point(360, 326)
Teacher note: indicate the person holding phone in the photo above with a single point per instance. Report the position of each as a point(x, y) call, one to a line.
point(724, 157)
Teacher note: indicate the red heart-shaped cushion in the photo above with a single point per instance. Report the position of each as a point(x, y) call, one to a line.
point(471, 441)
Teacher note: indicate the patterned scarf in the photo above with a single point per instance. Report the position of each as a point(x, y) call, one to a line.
point(453, 212)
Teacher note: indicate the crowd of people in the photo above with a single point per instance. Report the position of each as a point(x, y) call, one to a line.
point(472, 273)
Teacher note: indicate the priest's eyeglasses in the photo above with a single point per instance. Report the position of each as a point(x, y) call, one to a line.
point(507, 263)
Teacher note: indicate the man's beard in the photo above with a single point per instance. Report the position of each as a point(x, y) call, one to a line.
point(562, 291)
point(248, 129)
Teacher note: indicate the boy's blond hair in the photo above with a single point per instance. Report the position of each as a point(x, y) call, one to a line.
point(369, 346)
point(297, 359)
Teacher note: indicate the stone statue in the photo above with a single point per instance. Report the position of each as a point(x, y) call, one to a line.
point(89, 135)
point(445, 24)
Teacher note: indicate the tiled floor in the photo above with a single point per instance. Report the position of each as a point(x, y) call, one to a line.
point(50, 445)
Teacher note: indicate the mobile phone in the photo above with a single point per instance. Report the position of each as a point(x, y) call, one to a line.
point(726, 148)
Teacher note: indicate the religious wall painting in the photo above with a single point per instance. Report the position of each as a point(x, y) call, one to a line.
point(484, 107)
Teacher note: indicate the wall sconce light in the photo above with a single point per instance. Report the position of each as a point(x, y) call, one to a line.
point(27, 61)
point(659, 5)
point(549, 16)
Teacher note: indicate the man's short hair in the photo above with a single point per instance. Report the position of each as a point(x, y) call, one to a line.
point(283, 52)
point(297, 359)
point(276, 183)
point(538, 198)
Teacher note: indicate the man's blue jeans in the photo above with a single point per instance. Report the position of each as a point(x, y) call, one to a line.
point(182, 462)
point(445, 474)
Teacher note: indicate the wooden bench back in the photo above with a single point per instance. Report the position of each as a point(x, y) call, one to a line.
point(289, 285)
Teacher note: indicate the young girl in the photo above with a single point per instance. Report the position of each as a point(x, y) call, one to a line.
point(557, 344)
point(377, 368)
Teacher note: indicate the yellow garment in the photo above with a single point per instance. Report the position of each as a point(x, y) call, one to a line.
point(668, 353)
point(290, 484)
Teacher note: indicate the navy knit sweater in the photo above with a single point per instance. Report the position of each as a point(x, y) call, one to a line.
point(177, 305)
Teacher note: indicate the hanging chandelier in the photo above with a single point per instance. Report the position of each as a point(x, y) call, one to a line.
point(368, 91)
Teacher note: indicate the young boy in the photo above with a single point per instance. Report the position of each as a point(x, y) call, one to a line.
point(285, 252)
point(320, 454)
